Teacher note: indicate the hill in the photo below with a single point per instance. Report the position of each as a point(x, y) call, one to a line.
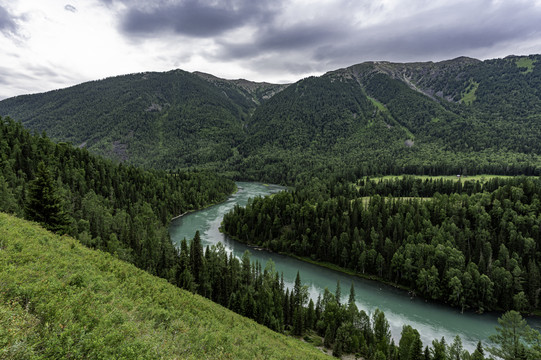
point(162, 120)
point(457, 116)
point(62, 300)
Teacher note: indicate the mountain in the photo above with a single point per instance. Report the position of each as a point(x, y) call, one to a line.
point(457, 116)
point(60, 300)
point(162, 120)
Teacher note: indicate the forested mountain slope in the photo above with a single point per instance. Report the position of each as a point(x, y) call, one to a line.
point(456, 116)
point(61, 300)
point(498, 101)
point(161, 120)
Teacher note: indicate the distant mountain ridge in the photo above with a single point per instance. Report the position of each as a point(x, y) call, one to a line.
point(257, 91)
point(460, 115)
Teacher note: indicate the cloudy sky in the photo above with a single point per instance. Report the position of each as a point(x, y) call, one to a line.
point(49, 44)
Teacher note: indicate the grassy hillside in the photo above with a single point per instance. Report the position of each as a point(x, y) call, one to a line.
point(59, 299)
point(116, 208)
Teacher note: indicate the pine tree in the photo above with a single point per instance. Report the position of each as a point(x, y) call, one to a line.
point(297, 306)
point(43, 204)
point(512, 333)
point(328, 340)
point(196, 257)
point(338, 347)
point(310, 315)
point(456, 349)
point(351, 300)
point(427, 354)
point(338, 292)
point(478, 353)
point(416, 349)
point(439, 349)
point(297, 321)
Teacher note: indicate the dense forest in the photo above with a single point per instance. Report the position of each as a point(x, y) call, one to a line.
point(120, 209)
point(260, 294)
point(449, 117)
point(471, 245)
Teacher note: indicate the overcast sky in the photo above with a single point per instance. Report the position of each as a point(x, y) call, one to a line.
point(50, 44)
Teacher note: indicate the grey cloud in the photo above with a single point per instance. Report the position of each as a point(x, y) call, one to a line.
point(445, 32)
point(70, 8)
point(30, 80)
point(193, 18)
point(297, 37)
point(7, 22)
point(334, 37)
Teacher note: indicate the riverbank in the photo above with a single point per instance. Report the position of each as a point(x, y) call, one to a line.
point(207, 205)
point(335, 267)
point(433, 320)
point(329, 266)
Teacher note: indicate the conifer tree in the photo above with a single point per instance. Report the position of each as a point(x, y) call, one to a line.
point(338, 293)
point(478, 353)
point(297, 306)
point(196, 257)
point(43, 204)
point(513, 333)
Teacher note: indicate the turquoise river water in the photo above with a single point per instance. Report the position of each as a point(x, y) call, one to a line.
point(432, 320)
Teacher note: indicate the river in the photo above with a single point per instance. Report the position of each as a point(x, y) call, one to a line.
point(432, 320)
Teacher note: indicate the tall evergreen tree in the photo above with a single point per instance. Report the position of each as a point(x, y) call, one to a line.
point(43, 204)
point(456, 349)
point(351, 300)
point(338, 292)
point(297, 306)
point(196, 257)
point(513, 333)
point(478, 353)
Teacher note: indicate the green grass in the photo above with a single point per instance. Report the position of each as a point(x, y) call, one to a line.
point(366, 199)
point(468, 95)
point(481, 178)
point(379, 105)
point(526, 63)
point(61, 300)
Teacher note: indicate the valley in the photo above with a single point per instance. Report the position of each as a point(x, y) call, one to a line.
point(423, 176)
